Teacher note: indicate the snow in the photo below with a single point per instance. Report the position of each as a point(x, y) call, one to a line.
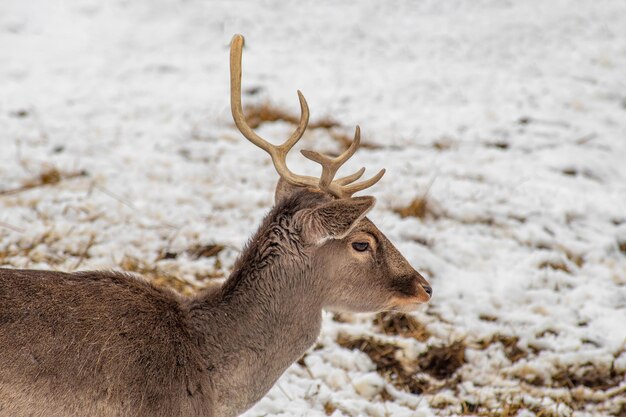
point(509, 116)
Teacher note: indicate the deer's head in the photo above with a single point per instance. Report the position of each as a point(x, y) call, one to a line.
point(363, 270)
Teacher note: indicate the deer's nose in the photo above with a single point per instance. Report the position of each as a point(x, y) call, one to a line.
point(428, 290)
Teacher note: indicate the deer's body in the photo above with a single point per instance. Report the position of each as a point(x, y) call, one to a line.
point(111, 344)
point(96, 344)
point(104, 344)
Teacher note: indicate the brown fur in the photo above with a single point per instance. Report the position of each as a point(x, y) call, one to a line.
point(110, 344)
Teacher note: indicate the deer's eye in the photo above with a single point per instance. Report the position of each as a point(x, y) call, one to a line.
point(360, 246)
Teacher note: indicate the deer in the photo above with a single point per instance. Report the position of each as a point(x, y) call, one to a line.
point(111, 344)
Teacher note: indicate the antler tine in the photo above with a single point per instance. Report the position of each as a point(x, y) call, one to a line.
point(302, 124)
point(330, 166)
point(277, 152)
point(349, 179)
point(351, 189)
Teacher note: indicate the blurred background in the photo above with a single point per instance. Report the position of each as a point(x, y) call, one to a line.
point(502, 125)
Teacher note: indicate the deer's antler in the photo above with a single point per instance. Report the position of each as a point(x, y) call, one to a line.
point(342, 187)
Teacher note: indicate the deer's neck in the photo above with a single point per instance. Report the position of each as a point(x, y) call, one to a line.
point(266, 315)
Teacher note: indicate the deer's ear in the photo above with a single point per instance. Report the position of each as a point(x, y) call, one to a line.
point(284, 190)
point(336, 218)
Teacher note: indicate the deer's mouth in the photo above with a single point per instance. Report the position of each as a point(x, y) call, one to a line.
point(406, 304)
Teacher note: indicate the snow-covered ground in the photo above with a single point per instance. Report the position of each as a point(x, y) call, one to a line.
point(508, 118)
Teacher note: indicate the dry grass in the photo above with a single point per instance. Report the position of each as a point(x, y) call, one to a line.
point(509, 408)
point(195, 252)
point(421, 207)
point(585, 173)
point(345, 141)
point(586, 385)
point(443, 361)
point(387, 365)
point(498, 144)
point(587, 375)
point(55, 253)
point(510, 346)
point(510, 404)
point(559, 266)
point(439, 362)
point(48, 176)
point(329, 408)
point(156, 275)
point(205, 251)
point(444, 143)
point(265, 112)
point(437, 369)
point(488, 317)
point(402, 325)
point(258, 114)
point(570, 259)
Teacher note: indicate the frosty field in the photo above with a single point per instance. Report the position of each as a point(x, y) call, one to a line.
point(502, 126)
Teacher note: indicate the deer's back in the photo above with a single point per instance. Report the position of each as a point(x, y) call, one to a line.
point(97, 344)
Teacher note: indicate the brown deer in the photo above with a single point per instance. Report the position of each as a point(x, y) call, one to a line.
point(112, 344)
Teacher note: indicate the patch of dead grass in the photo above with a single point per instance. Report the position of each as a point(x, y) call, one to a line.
point(498, 144)
point(47, 176)
point(257, 114)
point(587, 375)
point(402, 325)
point(196, 251)
point(156, 275)
point(421, 207)
point(507, 409)
point(329, 408)
point(55, 253)
point(488, 317)
point(345, 141)
point(439, 362)
point(556, 265)
point(205, 251)
point(575, 258)
point(443, 361)
point(384, 357)
point(444, 143)
point(510, 346)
